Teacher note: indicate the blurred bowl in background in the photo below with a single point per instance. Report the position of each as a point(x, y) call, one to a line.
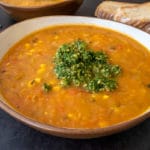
point(19, 13)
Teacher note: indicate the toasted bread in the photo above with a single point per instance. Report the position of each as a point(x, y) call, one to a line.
point(137, 15)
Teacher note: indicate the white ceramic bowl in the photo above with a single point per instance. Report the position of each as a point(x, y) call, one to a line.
point(16, 32)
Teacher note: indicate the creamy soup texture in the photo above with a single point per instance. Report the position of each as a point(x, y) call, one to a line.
point(30, 63)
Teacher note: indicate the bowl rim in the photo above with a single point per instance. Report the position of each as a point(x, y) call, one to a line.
point(74, 131)
point(4, 4)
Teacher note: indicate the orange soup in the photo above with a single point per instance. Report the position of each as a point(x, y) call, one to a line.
point(30, 63)
point(29, 3)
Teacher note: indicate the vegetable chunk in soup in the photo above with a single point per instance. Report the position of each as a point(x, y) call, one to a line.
point(48, 77)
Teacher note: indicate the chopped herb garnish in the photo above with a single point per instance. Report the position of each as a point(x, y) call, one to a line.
point(76, 64)
point(32, 82)
point(46, 87)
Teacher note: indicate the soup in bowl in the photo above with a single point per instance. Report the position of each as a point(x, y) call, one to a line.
point(75, 76)
point(30, 3)
point(25, 9)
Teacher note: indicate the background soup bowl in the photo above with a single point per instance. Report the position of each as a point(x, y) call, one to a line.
point(64, 7)
point(16, 32)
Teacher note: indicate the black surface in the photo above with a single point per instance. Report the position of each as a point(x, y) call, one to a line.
point(16, 136)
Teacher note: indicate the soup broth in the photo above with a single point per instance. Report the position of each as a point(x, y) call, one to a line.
point(30, 63)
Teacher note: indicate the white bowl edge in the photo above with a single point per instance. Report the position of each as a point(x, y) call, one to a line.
point(16, 32)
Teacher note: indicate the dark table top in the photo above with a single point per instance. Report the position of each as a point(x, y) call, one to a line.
point(16, 136)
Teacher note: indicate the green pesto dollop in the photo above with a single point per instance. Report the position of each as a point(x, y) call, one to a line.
point(77, 65)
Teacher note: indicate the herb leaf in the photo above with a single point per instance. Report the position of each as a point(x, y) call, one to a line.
point(46, 87)
point(76, 64)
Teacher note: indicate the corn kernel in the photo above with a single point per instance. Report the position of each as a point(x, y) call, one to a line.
point(52, 82)
point(42, 65)
point(128, 50)
point(30, 84)
point(93, 95)
point(45, 113)
point(32, 50)
point(70, 115)
point(27, 45)
point(38, 80)
point(115, 109)
point(56, 37)
point(105, 97)
point(40, 41)
point(102, 124)
point(56, 88)
point(41, 70)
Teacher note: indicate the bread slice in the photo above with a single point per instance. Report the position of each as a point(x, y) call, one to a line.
point(107, 9)
point(137, 15)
